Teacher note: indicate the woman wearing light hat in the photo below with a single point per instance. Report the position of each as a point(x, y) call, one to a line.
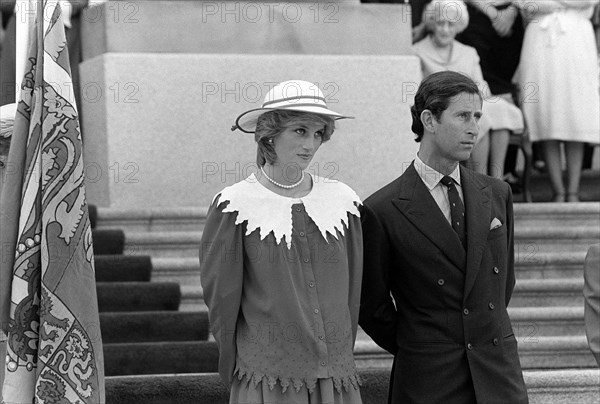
point(281, 262)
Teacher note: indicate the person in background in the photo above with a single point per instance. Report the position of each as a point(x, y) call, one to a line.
point(558, 78)
point(439, 262)
point(496, 30)
point(440, 51)
point(591, 293)
point(281, 262)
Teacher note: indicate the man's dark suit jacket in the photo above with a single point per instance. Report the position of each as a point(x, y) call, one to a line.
point(447, 324)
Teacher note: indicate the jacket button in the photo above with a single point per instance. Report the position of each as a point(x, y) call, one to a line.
point(491, 305)
point(496, 270)
point(469, 346)
point(495, 341)
point(466, 311)
point(441, 282)
point(301, 234)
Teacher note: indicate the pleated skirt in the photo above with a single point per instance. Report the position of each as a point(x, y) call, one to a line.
point(243, 392)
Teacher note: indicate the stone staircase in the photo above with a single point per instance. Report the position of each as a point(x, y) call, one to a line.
point(142, 329)
point(546, 309)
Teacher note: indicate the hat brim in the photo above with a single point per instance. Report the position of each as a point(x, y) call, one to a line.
point(246, 122)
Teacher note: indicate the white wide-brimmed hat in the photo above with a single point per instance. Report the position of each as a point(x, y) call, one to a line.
point(291, 95)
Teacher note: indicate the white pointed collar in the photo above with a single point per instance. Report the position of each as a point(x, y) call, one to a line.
point(328, 204)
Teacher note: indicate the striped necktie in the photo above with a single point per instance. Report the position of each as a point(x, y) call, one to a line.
point(457, 210)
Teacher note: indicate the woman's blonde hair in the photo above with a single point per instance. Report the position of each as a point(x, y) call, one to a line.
point(454, 11)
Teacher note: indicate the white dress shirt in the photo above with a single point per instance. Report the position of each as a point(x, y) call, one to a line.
point(431, 178)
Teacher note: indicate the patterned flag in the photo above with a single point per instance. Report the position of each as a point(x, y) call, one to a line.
point(54, 347)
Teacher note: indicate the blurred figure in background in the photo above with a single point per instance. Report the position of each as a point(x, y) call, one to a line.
point(496, 30)
point(439, 51)
point(558, 78)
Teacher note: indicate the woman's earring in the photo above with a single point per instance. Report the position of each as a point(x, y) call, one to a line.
point(270, 140)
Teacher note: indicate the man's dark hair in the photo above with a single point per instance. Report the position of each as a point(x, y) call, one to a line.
point(435, 93)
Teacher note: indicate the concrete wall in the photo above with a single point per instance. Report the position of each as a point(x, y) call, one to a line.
point(157, 126)
point(162, 82)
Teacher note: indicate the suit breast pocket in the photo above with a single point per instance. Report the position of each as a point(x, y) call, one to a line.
point(496, 233)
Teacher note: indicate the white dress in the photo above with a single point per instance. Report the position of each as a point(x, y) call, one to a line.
point(558, 77)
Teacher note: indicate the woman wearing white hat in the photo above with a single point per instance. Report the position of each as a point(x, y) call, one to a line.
point(281, 262)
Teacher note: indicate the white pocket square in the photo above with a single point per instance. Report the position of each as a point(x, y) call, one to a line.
point(495, 224)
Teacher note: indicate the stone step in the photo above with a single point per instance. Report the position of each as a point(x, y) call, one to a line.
point(160, 357)
point(163, 244)
point(557, 352)
point(108, 241)
point(544, 387)
point(138, 296)
point(548, 292)
point(191, 298)
point(545, 265)
point(549, 264)
point(531, 322)
point(532, 293)
point(552, 214)
point(530, 241)
point(153, 326)
point(122, 268)
point(527, 215)
point(568, 386)
point(152, 219)
point(185, 270)
point(535, 352)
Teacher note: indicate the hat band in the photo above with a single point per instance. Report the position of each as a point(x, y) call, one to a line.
point(302, 105)
point(299, 97)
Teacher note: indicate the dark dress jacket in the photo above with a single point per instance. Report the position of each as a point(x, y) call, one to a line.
point(439, 309)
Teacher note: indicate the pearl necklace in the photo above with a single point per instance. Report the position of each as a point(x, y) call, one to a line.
point(281, 185)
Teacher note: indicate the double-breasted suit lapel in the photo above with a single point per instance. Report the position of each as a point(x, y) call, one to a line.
point(419, 207)
point(477, 196)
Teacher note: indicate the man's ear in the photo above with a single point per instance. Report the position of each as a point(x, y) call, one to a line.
point(427, 119)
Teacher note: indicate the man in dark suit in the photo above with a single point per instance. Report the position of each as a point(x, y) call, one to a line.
point(438, 271)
